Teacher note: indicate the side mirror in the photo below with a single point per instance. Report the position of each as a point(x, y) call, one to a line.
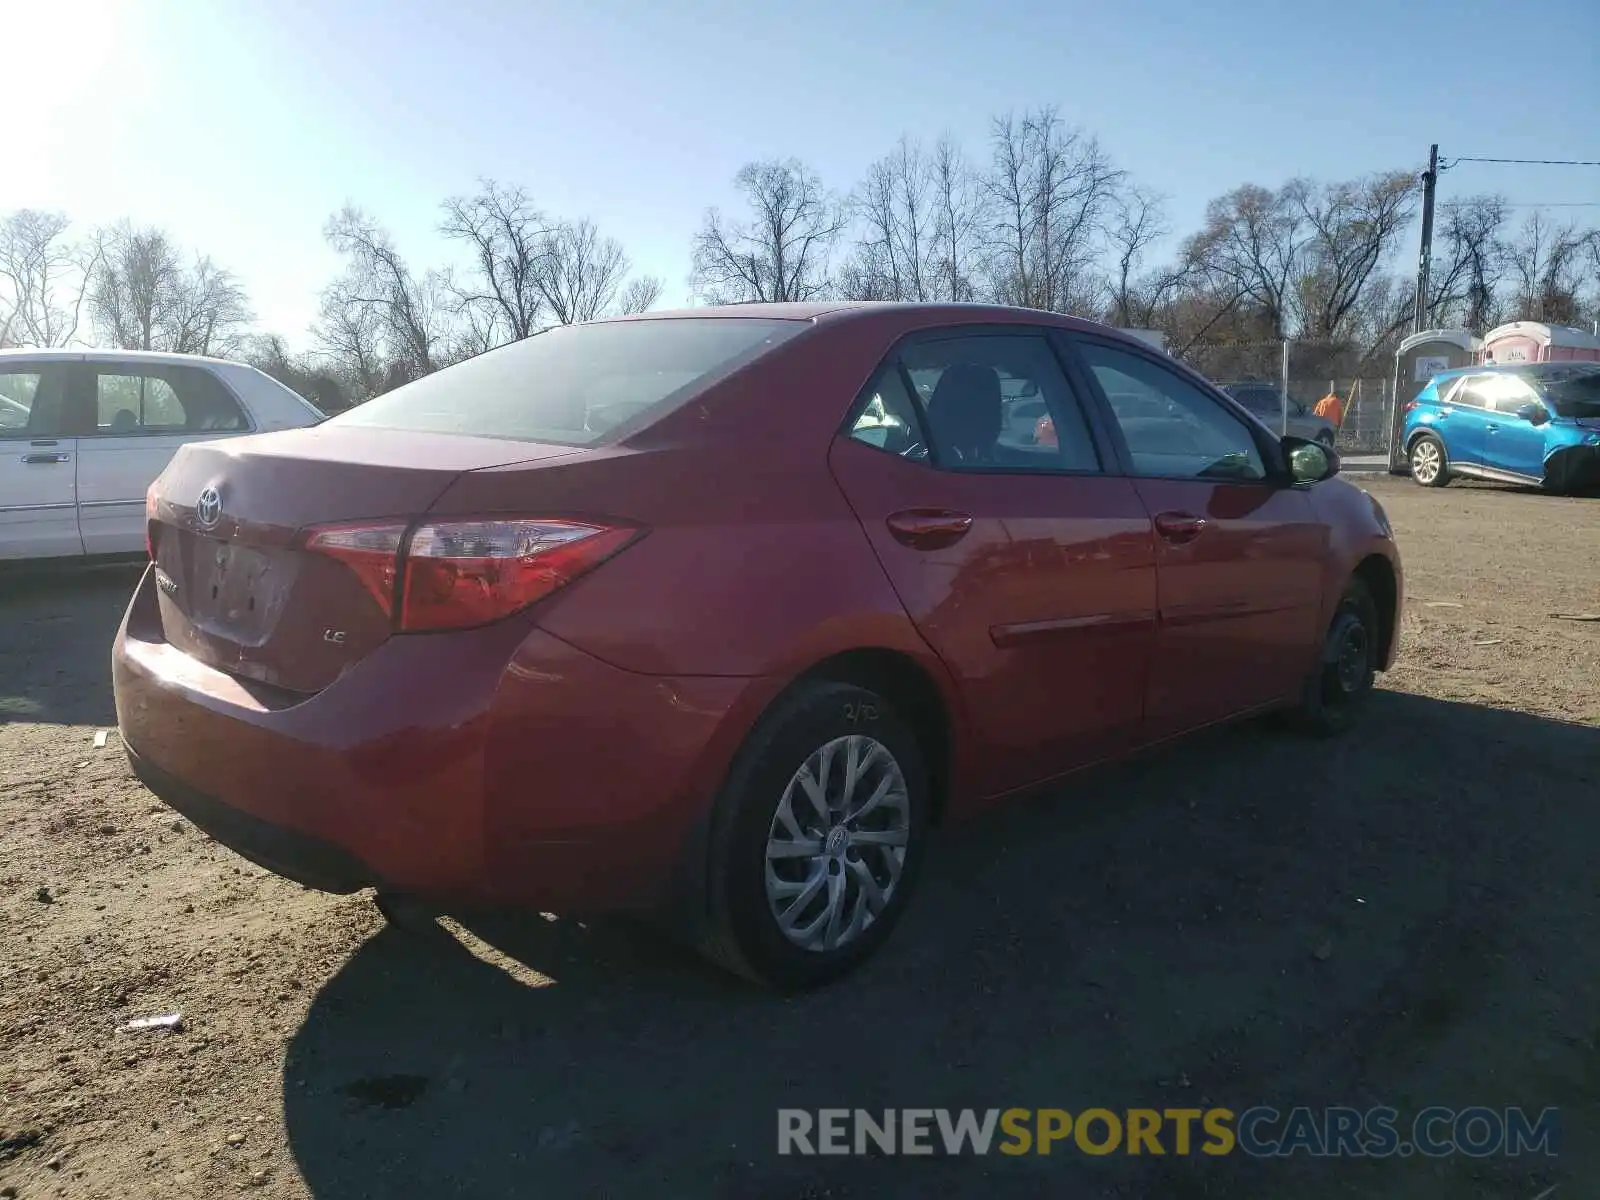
point(1309, 462)
point(1533, 414)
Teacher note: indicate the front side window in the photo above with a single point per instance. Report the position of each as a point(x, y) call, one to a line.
point(163, 400)
point(33, 401)
point(999, 403)
point(1172, 428)
point(1507, 393)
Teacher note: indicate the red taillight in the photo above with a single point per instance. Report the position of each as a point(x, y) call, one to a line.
point(371, 551)
point(457, 574)
point(1410, 404)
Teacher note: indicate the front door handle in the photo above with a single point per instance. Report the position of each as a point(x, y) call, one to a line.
point(1179, 527)
point(928, 528)
point(1491, 428)
point(46, 458)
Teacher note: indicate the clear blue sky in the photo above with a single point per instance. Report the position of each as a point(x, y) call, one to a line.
point(241, 131)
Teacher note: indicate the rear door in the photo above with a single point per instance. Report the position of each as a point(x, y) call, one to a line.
point(141, 413)
point(1029, 569)
point(1239, 555)
point(1463, 420)
point(38, 462)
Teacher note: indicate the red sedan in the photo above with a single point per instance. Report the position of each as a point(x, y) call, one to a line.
point(720, 611)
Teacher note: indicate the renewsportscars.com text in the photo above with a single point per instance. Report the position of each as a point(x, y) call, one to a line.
point(1260, 1131)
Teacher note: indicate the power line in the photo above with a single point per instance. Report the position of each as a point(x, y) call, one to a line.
point(1526, 162)
point(1530, 204)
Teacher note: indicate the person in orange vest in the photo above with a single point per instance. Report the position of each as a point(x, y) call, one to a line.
point(1329, 408)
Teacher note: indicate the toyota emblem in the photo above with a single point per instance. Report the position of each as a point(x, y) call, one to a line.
point(208, 509)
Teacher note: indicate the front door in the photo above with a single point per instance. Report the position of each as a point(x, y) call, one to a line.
point(1239, 556)
point(141, 413)
point(1512, 442)
point(1028, 568)
point(38, 462)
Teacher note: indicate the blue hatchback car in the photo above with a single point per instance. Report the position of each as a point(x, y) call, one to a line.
point(1535, 423)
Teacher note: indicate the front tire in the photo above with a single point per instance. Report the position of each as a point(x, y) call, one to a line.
point(817, 838)
point(1429, 465)
point(1339, 689)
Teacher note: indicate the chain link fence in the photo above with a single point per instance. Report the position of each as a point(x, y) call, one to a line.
point(1364, 383)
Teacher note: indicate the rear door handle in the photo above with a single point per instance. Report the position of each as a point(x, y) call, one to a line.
point(46, 458)
point(928, 528)
point(1179, 527)
point(1491, 428)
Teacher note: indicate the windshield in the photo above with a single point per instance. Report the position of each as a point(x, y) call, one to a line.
point(574, 384)
point(1573, 391)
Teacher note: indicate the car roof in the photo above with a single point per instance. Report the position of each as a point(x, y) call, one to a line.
point(93, 355)
point(1531, 368)
point(831, 311)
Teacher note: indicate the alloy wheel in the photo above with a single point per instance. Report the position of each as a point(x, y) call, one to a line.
point(1425, 461)
point(837, 844)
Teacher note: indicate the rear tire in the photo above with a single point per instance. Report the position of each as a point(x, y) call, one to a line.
point(1340, 687)
point(817, 838)
point(1430, 466)
point(406, 912)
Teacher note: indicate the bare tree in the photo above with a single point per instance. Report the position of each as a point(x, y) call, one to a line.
point(578, 273)
point(46, 276)
point(1352, 230)
point(209, 311)
point(1050, 189)
point(1252, 241)
point(378, 280)
point(351, 337)
point(134, 287)
point(895, 208)
point(507, 237)
point(1136, 295)
point(781, 252)
point(640, 295)
point(1546, 264)
point(143, 297)
point(957, 222)
point(1466, 280)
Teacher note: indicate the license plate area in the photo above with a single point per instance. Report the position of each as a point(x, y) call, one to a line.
point(236, 591)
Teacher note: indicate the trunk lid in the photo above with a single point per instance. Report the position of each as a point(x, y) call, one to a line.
point(235, 588)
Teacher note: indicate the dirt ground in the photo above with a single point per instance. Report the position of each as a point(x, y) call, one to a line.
point(1404, 917)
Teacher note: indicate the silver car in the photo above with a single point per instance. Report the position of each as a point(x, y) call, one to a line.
point(1266, 402)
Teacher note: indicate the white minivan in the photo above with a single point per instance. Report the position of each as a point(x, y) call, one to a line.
point(84, 433)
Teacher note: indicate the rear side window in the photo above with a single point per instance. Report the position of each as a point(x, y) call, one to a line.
point(161, 399)
point(576, 384)
point(17, 390)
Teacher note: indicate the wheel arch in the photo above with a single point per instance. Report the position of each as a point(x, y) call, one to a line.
point(1422, 431)
point(911, 688)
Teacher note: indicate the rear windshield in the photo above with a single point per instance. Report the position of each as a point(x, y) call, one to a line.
point(574, 385)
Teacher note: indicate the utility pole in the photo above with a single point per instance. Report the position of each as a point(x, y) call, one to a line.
point(1429, 180)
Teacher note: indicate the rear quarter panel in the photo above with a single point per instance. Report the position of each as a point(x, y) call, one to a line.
point(753, 564)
